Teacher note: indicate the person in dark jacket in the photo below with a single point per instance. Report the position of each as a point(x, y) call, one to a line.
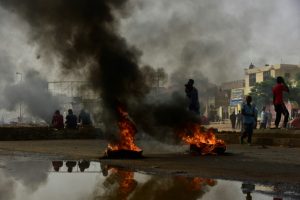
point(57, 165)
point(71, 120)
point(192, 94)
point(83, 165)
point(70, 165)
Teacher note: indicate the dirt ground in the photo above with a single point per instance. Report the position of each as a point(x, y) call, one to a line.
point(241, 162)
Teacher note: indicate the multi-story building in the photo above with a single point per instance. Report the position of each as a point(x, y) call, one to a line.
point(226, 99)
point(255, 74)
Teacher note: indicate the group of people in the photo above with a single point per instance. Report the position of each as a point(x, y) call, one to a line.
point(236, 120)
point(246, 119)
point(265, 118)
point(249, 111)
point(83, 165)
point(71, 122)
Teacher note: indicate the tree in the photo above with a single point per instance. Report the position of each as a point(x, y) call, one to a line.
point(262, 92)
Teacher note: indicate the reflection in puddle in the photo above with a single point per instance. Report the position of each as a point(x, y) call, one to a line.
point(89, 180)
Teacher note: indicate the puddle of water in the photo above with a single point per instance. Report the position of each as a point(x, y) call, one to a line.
point(62, 179)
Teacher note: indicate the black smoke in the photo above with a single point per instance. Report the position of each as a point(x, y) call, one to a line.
point(85, 35)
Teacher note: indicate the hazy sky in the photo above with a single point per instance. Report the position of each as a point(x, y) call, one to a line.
point(208, 40)
point(219, 38)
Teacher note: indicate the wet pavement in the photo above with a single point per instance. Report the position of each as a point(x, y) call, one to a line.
point(49, 177)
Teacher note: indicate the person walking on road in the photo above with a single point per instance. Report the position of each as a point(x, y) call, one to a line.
point(249, 113)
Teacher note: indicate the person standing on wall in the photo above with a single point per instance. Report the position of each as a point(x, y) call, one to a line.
point(278, 102)
point(192, 95)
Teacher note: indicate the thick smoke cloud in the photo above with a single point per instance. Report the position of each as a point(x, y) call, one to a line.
point(196, 39)
point(32, 92)
point(83, 34)
point(218, 38)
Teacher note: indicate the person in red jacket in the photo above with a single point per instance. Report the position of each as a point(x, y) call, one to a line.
point(279, 105)
point(58, 120)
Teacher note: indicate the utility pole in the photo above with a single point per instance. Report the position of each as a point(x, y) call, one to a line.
point(20, 106)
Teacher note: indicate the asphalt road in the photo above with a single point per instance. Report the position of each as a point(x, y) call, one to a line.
point(241, 162)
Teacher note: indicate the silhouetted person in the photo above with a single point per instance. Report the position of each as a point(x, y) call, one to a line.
point(70, 165)
point(248, 196)
point(192, 94)
point(71, 120)
point(248, 188)
point(56, 165)
point(84, 118)
point(249, 113)
point(279, 105)
point(233, 120)
point(104, 169)
point(239, 120)
point(57, 120)
point(83, 165)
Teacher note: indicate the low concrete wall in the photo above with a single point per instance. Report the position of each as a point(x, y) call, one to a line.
point(271, 137)
point(45, 133)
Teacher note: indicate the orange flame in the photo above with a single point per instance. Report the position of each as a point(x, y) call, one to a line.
point(127, 182)
point(194, 134)
point(127, 132)
point(198, 182)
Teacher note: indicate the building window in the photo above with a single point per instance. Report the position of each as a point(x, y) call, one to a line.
point(267, 75)
point(252, 79)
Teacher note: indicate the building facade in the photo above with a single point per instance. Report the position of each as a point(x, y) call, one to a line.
point(255, 74)
point(227, 98)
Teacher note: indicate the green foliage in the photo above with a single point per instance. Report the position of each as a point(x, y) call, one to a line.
point(262, 93)
point(297, 80)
